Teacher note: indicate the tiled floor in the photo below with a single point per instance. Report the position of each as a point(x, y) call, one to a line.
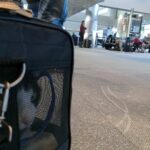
point(111, 100)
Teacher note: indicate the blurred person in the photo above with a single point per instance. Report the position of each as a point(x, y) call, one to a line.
point(53, 11)
point(96, 40)
point(137, 43)
point(81, 33)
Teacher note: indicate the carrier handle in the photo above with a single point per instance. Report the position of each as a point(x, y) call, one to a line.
point(18, 79)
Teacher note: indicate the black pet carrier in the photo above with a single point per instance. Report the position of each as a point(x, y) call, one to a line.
point(36, 65)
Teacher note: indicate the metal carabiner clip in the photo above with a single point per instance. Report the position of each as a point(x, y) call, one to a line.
point(7, 87)
point(10, 130)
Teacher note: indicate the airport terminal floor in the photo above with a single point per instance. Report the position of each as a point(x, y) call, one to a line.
point(111, 105)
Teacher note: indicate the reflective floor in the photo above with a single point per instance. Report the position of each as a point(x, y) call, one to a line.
point(111, 100)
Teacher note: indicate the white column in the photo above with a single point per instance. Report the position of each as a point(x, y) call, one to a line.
point(95, 22)
point(88, 24)
point(91, 23)
point(130, 22)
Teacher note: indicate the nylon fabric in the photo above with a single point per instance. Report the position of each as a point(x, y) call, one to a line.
point(32, 108)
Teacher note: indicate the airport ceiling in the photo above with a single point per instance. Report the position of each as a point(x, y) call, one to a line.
point(138, 5)
point(142, 6)
point(76, 6)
